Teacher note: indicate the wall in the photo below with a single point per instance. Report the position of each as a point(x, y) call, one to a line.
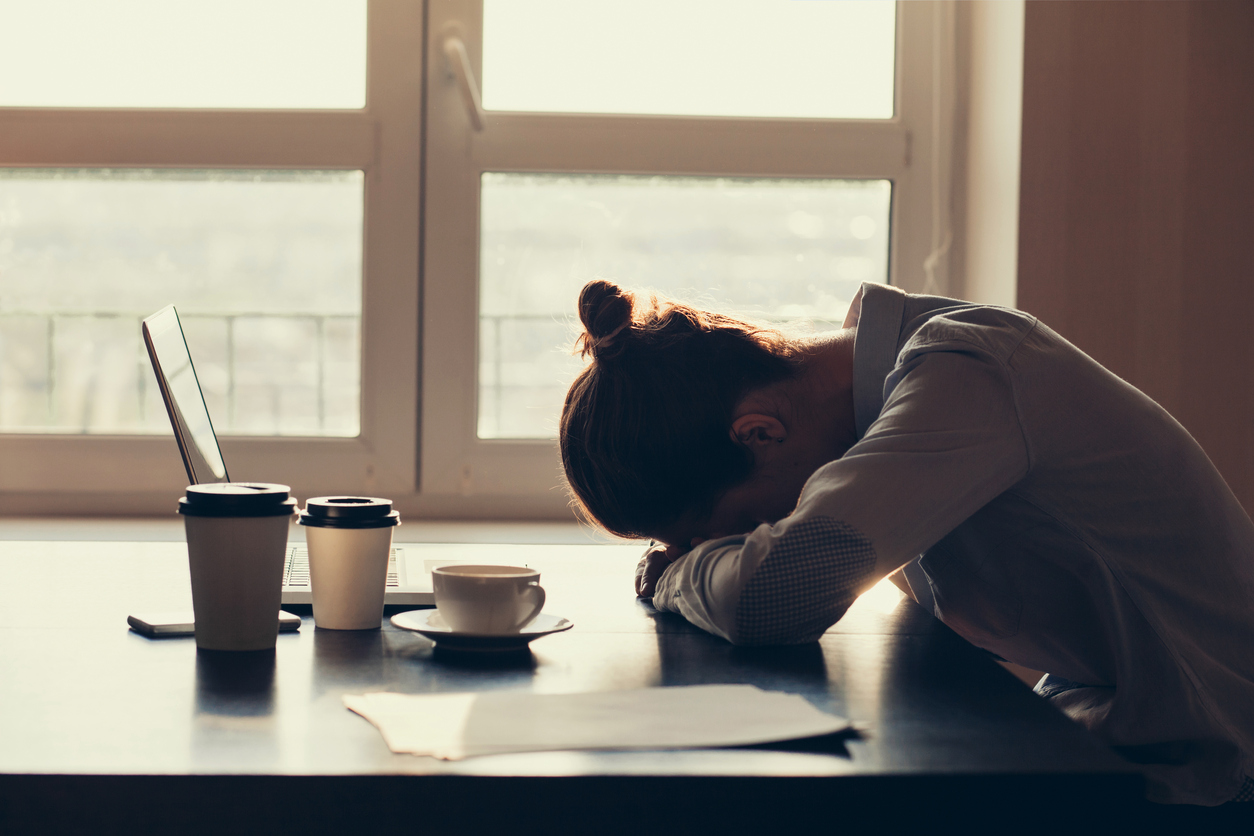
point(1136, 213)
point(986, 163)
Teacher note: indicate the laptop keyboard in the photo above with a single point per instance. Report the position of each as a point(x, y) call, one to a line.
point(296, 573)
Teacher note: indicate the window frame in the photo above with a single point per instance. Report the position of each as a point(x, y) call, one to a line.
point(494, 476)
point(72, 473)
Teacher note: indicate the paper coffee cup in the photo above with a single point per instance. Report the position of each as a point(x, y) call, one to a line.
point(487, 600)
point(349, 540)
point(236, 545)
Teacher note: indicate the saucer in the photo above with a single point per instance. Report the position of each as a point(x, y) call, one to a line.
point(430, 624)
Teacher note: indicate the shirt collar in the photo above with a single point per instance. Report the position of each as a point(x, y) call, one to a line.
point(876, 312)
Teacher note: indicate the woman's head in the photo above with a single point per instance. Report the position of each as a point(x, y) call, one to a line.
point(645, 432)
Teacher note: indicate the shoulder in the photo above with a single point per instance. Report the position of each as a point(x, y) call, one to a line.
point(984, 329)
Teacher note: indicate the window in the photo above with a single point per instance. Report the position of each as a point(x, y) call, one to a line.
point(374, 216)
point(229, 158)
point(781, 248)
point(265, 267)
point(761, 155)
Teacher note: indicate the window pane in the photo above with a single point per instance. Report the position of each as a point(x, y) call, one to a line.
point(159, 53)
point(263, 266)
point(780, 58)
point(770, 248)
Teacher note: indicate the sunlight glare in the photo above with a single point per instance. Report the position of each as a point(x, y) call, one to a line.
point(884, 597)
point(158, 53)
point(766, 58)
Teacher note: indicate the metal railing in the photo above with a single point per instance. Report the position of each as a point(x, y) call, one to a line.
point(53, 364)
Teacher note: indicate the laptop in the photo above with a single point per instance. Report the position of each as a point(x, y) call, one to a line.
point(409, 568)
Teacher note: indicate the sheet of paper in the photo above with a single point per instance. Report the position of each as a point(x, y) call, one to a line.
point(455, 726)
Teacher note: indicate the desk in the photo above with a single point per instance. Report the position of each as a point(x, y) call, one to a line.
point(102, 728)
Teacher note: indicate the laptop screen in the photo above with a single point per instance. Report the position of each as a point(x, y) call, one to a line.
point(180, 389)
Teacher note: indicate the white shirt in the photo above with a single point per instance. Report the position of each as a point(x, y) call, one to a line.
point(1050, 513)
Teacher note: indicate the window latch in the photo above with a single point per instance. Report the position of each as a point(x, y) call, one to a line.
point(459, 63)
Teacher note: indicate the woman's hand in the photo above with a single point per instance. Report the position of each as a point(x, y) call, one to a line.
point(654, 563)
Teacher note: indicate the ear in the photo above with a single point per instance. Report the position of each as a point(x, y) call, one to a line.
point(758, 430)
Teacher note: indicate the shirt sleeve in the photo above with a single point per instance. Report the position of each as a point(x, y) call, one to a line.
point(947, 441)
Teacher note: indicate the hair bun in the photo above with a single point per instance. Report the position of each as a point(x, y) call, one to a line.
point(605, 310)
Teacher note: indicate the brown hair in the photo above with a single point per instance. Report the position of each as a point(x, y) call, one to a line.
point(646, 430)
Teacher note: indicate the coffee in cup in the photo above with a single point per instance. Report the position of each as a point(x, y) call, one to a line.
point(236, 546)
point(487, 600)
point(350, 541)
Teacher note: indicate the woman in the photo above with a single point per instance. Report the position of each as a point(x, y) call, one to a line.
point(1037, 504)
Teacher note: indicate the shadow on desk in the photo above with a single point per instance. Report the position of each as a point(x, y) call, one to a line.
point(826, 744)
point(237, 684)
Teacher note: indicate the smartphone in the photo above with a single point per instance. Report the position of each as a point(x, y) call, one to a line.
point(163, 624)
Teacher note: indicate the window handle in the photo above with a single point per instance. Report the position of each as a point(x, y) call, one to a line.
point(459, 61)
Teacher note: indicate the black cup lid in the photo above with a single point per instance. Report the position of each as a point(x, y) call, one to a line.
point(237, 499)
point(349, 512)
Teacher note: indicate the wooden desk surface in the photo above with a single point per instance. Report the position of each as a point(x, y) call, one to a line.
point(93, 716)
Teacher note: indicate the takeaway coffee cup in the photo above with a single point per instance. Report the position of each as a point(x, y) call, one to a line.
point(488, 600)
point(349, 540)
point(236, 544)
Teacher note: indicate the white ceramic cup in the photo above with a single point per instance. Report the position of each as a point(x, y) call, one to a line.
point(236, 546)
point(487, 600)
point(349, 540)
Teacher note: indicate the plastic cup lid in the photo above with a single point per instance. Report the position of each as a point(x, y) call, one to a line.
point(349, 512)
point(237, 499)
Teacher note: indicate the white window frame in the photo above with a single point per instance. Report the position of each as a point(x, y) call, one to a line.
point(59, 473)
point(461, 473)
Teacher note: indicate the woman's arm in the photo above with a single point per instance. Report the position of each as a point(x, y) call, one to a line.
point(946, 443)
